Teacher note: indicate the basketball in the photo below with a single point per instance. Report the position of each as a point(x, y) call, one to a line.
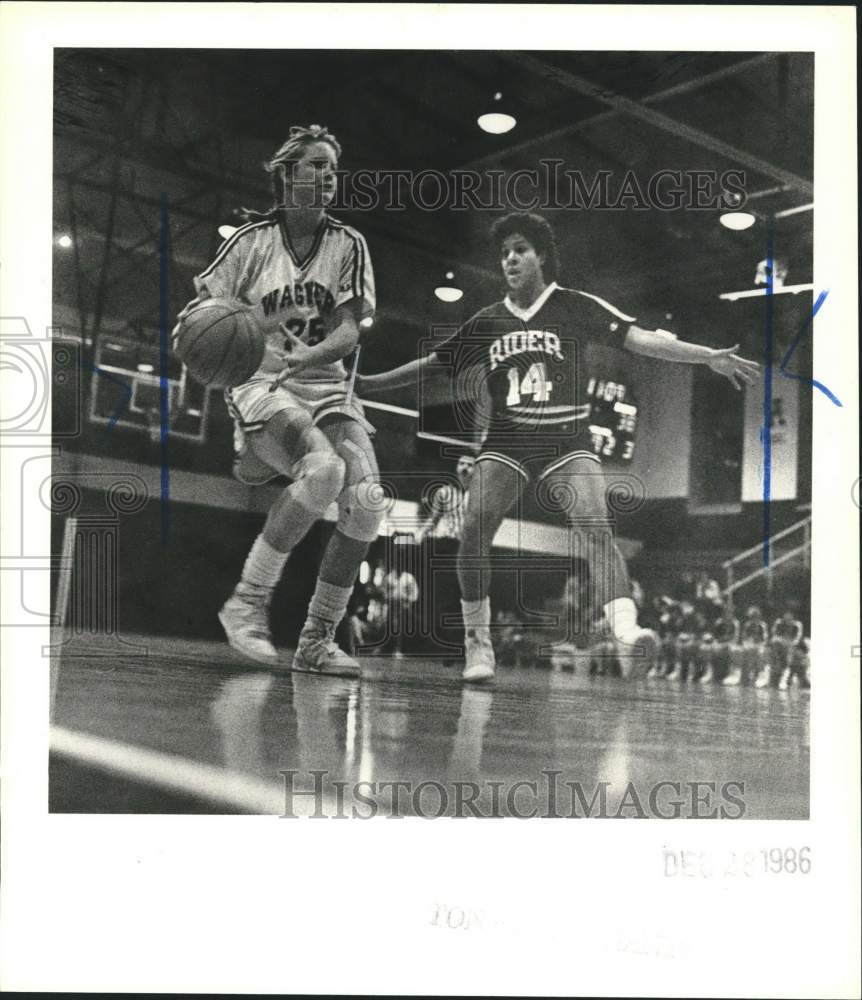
point(220, 342)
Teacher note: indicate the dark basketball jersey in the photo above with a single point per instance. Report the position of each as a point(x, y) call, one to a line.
point(692, 623)
point(532, 361)
point(788, 630)
point(669, 623)
point(725, 628)
point(754, 630)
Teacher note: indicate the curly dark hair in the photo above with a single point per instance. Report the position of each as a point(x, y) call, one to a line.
point(538, 233)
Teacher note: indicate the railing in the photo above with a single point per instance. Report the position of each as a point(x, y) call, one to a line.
point(793, 543)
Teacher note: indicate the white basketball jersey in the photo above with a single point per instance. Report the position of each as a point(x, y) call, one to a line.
point(259, 266)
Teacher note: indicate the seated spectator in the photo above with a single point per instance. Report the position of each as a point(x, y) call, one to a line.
point(755, 655)
point(589, 638)
point(721, 651)
point(691, 626)
point(509, 639)
point(788, 658)
point(402, 593)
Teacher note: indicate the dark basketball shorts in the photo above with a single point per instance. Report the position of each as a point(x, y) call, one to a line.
point(535, 453)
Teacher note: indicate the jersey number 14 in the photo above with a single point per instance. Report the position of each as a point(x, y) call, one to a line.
point(535, 384)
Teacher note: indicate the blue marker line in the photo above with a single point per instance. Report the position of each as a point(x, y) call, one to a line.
point(766, 429)
point(164, 384)
point(821, 298)
point(127, 389)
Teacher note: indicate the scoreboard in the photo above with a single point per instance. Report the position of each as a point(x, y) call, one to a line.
point(613, 418)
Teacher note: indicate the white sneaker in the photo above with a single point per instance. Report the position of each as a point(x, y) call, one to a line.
point(707, 675)
point(479, 654)
point(317, 652)
point(632, 663)
point(245, 620)
point(733, 679)
point(784, 679)
point(675, 674)
point(762, 678)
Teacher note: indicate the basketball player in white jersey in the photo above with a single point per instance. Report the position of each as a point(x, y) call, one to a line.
point(309, 281)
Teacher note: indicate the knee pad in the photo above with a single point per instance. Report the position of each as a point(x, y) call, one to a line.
point(318, 478)
point(360, 512)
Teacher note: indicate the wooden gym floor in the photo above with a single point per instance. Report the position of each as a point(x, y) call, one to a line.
point(188, 728)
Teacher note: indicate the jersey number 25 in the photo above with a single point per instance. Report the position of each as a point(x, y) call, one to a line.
point(316, 329)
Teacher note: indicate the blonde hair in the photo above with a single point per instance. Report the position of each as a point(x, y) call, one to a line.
point(299, 138)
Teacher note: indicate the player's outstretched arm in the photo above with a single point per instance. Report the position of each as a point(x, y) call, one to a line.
point(396, 378)
point(724, 361)
point(439, 379)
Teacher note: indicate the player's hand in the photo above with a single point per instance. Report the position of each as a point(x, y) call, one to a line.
point(734, 368)
point(297, 356)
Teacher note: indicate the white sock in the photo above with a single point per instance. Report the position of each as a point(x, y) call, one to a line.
point(622, 616)
point(264, 564)
point(329, 602)
point(477, 614)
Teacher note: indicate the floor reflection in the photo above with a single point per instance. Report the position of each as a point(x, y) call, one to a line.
point(414, 721)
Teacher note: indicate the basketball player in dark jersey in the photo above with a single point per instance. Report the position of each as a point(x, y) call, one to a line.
point(666, 616)
point(522, 359)
point(720, 648)
point(755, 655)
point(786, 647)
point(691, 626)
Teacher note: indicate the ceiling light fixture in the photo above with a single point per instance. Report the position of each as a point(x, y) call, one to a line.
point(226, 231)
point(497, 121)
point(64, 241)
point(448, 292)
point(737, 220)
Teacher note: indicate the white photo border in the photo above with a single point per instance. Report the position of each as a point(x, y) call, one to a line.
point(245, 904)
